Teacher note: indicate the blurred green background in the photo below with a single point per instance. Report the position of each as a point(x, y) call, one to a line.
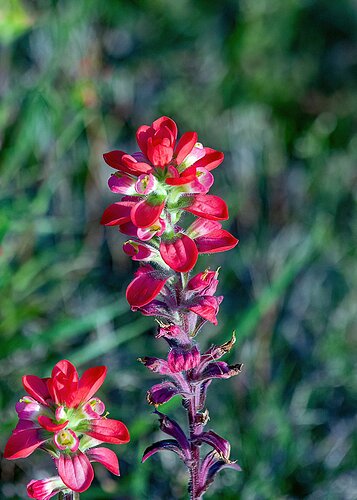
point(273, 84)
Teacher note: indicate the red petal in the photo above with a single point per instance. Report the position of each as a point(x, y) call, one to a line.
point(142, 135)
point(117, 213)
point(105, 457)
point(211, 159)
point(180, 254)
point(185, 145)
point(63, 384)
point(144, 288)
point(159, 151)
point(89, 383)
point(125, 163)
point(37, 388)
point(187, 176)
point(76, 471)
point(216, 241)
point(208, 206)
point(145, 215)
point(166, 122)
point(207, 307)
point(108, 431)
point(22, 443)
point(49, 425)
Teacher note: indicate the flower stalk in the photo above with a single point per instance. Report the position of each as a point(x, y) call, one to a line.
point(163, 184)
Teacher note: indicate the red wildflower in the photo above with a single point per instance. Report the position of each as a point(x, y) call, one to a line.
point(61, 416)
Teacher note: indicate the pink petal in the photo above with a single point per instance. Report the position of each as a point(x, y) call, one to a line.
point(106, 457)
point(185, 145)
point(138, 251)
point(89, 383)
point(108, 431)
point(211, 159)
point(201, 227)
point(216, 241)
point(22, 443)
point(117, 213)
point(144, 288)
point(123, 184)
point(145, 214)
point(44, 489)
point(145, 184)
point(202, 182)
point(76, 471)
point(180, 254)
point(208, 206)
point(37, 388)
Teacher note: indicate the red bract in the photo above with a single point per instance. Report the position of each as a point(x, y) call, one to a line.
point(180, 253)
point(158, 141)
point(126, 163)
point(61, 416)
point(207, 206)
point(146, 285)
point(142, 213)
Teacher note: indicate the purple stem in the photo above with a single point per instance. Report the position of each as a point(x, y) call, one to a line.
point(195, 450)
point(194, 426)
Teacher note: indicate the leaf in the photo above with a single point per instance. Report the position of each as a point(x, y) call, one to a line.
point(164, 445)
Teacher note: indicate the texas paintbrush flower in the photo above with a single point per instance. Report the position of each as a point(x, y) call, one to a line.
point(61, 415)
point(162, 185)
point(159, 184)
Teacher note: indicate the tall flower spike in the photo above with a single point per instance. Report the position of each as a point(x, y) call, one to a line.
point(61, 416)
point(164, 182)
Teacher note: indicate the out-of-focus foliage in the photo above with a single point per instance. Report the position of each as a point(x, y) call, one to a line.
point(273, 84)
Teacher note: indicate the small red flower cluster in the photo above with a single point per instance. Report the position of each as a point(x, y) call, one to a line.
point(60, 415)
point(159, 184)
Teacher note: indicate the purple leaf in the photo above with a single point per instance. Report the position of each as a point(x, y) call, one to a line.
point(217, 369)
point(203, 392)
point(211, 465)
point(164, 445)
point(161, 393)
point(156, 365)
point(221, 445)
point(155, 308)
point(217, 351)
point(172, 428)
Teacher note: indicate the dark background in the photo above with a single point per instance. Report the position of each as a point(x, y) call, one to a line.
point(272, 83)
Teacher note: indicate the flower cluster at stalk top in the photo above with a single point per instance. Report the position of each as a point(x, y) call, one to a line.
point(161, 182)
point(61, 416)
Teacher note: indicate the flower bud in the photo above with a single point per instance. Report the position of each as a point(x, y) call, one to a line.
point(44, 489)
point(180, 360)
